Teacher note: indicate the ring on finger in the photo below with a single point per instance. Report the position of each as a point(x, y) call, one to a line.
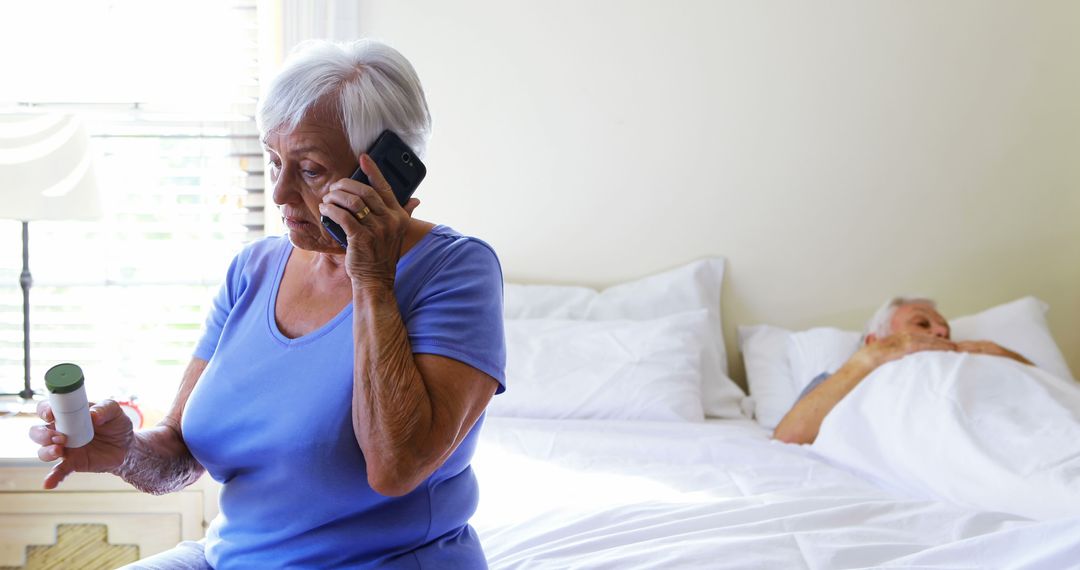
point(362, 213)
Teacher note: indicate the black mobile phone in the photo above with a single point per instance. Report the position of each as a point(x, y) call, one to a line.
point(398, 164)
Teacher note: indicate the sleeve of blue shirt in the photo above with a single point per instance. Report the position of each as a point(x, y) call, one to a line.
point(813, 384)
point(457, 313)
point(223, 303)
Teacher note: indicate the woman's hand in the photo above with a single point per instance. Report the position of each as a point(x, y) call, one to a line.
point(374, 223)
point(113, 434)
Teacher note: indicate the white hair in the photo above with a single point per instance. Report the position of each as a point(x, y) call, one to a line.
point(369, 85)
point(880, 325)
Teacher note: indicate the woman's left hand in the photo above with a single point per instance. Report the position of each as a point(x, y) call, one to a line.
point(374, 223)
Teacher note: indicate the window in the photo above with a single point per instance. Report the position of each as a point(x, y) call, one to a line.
point(167, 91)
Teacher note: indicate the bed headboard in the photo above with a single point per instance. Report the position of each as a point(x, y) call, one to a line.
point(835, 153)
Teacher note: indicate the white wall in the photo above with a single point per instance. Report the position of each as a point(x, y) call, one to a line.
point(835, 152)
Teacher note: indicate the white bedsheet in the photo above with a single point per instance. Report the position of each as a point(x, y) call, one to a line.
point(617, 494)
point(981, 431)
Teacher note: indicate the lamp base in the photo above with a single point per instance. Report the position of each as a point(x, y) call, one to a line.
point(13, 404)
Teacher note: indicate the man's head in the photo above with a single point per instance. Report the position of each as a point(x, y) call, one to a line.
point(915, 315)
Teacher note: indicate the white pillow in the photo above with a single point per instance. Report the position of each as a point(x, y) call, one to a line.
point(546, 301)
point(1019, 326)
point(768, 373)
point(780, 363)
point(692, 286)
point(822, 349)
point(777, 376)
point(610, 369)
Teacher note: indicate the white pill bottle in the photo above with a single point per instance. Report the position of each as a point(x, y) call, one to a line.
point(67, 396)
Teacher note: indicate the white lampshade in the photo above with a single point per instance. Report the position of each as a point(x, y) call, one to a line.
point(46, 170)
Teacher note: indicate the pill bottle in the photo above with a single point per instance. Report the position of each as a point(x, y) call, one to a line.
point(67, 396)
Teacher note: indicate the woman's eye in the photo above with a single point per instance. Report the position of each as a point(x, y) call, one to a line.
point(310, 173)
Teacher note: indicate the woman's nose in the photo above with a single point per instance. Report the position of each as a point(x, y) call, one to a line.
point(281, 188)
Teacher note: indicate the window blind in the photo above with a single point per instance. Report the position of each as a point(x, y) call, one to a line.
point(169, 101)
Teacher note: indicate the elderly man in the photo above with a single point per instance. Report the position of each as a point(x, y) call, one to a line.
point(902, 326)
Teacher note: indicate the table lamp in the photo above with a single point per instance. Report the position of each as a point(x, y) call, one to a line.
point(45, 174)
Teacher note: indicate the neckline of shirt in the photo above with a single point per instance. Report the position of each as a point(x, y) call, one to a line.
point(279, 271)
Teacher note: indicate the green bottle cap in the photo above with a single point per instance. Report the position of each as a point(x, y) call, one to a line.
point(64, 378)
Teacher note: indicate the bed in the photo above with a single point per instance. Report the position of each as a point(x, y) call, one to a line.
point(626, 446)
point(720, 494)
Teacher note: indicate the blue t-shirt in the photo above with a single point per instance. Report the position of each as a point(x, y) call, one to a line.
point(271, 418)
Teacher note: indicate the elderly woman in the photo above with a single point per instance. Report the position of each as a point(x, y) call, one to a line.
point(336, 445)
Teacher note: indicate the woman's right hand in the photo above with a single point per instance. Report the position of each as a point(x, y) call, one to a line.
point(113, 434)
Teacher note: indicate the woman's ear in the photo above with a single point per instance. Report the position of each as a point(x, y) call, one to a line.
point(871, 338)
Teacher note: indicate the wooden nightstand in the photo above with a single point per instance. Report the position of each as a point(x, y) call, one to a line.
point(29, 515)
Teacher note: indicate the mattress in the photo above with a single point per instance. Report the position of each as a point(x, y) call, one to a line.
point(637, 494)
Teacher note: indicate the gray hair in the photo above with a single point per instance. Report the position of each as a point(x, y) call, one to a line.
point(369, 85)
point(880, 325)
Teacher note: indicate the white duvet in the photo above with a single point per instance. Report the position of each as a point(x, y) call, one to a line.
point(979, 431)
point(621, 494)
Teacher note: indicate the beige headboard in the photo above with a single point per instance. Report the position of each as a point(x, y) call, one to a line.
point(835, 152)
